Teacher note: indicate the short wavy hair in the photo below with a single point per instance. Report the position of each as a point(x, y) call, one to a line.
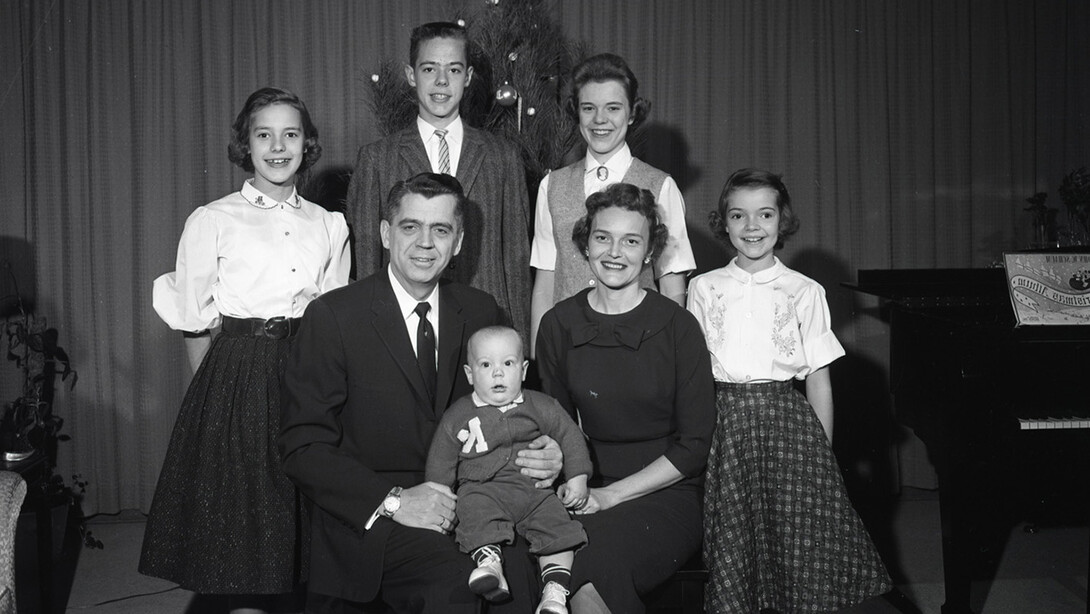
point(630, 198)
point(428, 185)
point(238, 149)
point(607, 67)
point(436, 29)
point(754, 179)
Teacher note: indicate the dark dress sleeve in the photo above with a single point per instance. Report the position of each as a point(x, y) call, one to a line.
point(552, 345)
point(694, 397)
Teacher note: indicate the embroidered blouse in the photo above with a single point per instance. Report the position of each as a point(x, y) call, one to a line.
point(773, 325)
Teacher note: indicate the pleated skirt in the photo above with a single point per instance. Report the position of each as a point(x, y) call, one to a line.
point(779, 529)
point(225, 519)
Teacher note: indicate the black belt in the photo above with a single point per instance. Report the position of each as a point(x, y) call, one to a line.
point(273, 328)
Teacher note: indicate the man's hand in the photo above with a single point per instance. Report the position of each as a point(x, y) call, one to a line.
point(573, 493)
point(427, 506)
point(542, 461)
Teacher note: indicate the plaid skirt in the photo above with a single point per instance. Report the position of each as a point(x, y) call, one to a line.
point(225, 519)
point(779, 530)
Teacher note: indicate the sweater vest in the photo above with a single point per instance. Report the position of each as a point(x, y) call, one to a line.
point(567, 204)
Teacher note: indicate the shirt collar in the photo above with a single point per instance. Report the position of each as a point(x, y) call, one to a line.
point(479, 402)
point(617, 164)
point(760, 277)
point(455, 130)
point(260, 200)
point(406, 302)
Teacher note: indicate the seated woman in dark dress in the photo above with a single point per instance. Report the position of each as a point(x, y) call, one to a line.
point(634, 367)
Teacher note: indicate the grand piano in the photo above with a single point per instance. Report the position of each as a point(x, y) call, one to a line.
point(1002, 409)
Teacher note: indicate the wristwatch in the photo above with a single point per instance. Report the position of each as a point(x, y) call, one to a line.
point(392, 502)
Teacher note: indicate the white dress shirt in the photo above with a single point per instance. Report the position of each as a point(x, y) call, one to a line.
point(455, 136)
point(407, 304)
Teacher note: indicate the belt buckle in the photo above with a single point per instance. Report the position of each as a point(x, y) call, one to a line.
point(277, 328)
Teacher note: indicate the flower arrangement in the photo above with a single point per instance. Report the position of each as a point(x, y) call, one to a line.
point(1075, 193)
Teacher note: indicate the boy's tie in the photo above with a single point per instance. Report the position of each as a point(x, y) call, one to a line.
point(444, 152)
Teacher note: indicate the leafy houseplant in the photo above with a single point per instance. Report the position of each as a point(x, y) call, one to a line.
point(28, 422)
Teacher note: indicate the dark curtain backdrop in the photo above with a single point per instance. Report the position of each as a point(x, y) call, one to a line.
point(909, 132)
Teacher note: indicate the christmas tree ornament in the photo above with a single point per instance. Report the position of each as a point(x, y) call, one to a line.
point(462, 23)
point(531, 111)
point(514, 55)
point(506, 95)
point(374, 78)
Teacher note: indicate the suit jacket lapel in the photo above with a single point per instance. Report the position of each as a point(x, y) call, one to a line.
point(390, 327)
point(452, 326)
point(412, 152)
point(471, 159)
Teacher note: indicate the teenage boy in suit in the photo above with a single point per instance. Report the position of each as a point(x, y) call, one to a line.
point(496, 254)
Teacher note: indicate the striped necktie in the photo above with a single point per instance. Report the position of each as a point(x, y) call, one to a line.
point(444, 152)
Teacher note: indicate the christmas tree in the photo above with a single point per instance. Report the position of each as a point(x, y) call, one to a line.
point(520, 60)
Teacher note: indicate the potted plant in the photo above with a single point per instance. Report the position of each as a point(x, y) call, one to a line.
point(1075, 193)
point(28, 423)
point(1044, 220)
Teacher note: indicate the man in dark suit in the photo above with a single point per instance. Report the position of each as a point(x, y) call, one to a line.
point(370, 373)
point(496, 254)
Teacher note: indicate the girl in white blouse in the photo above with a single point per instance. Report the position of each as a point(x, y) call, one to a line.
point(779, 530)
point(225, 519)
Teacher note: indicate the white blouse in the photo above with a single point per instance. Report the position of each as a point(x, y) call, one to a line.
point(677, 257)
point(773, 325)
point(248, 256)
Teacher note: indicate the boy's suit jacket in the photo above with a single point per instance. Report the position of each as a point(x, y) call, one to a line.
point(357, 421)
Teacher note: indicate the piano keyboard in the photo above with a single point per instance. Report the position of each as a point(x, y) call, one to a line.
point(1033, 424)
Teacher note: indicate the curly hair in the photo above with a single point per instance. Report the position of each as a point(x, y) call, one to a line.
point(607, 67)
point(630, 198)
point(238, 149)
point(754, 179)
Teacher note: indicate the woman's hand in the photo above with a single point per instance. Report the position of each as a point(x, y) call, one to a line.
point(599, 500)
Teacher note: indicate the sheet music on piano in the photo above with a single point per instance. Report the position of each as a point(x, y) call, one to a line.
point(1049, 288)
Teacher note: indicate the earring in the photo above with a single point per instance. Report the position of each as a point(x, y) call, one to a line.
point(647, 260)
point(586, 253)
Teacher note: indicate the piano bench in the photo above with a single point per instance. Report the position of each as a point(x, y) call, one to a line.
point(683, 593)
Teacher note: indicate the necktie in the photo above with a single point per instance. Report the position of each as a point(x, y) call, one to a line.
point(425, 347)
point(444, 152)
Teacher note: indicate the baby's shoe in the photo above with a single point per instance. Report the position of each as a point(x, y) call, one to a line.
point(487, 580)
point(554, 599)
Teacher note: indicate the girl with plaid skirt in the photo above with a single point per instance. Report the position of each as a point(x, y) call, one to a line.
point(779, 530)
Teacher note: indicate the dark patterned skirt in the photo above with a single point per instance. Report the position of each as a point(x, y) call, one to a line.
point(779, 530)
point(225, 519)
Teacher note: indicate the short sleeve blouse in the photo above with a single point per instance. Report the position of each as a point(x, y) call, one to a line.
point(772, 325)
